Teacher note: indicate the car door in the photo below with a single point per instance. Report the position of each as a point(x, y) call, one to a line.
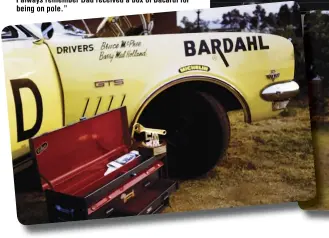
point(32, 86)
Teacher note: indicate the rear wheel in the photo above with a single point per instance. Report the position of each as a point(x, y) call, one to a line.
point(198, 130)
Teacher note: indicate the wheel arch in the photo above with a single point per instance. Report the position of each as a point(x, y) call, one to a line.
point(207, 83)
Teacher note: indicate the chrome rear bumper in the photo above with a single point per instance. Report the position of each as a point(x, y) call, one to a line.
point(280, 91)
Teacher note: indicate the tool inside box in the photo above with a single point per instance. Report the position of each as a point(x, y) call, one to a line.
point(91, 177)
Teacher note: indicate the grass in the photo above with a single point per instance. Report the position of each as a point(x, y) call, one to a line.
point(268, 162)
point(321, 149)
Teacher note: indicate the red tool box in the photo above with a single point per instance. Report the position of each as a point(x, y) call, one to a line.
point(72, 162)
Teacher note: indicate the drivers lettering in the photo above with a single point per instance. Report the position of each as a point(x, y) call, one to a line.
point(75, 49)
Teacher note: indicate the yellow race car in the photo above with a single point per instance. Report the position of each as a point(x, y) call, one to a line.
point(183, 83)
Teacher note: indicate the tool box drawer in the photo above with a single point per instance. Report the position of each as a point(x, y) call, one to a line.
point(142, 200)
point(154, 199)
point(148, 197)
point(122, 197)
point(111, 198)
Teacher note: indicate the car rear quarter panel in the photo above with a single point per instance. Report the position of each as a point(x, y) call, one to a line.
point(165, 54)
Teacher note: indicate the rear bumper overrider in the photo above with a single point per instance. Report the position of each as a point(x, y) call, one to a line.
point(280, 91)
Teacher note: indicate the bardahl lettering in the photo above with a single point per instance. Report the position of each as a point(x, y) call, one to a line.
point(224, 46)
point(75, 49)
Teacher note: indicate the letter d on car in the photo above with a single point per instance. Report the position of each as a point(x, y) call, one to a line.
point(16, 85)
point(59, 50)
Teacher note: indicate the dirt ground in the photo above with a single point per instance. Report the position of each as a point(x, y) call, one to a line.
point(281, 169)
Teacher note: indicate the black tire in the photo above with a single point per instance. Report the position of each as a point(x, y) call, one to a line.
point(198, 131)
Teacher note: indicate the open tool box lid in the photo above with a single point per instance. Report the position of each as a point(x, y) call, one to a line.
point(72, 160)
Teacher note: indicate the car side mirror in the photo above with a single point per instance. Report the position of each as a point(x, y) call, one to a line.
point(5, 34)
point(8, 32)
point(47, 30)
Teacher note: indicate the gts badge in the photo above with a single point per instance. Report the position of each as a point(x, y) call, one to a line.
point(41, 148)
point(224, 46)
point(115, 82)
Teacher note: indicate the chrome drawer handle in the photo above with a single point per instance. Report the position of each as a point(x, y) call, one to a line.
point(109, 211)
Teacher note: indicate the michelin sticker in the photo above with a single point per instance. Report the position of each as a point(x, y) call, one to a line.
point(194, 68)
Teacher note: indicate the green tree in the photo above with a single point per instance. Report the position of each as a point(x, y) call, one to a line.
point(285, 22)
point(190, 27)
point(318, 28)
point(234, 20)
point(288, 25)
point(258, 21)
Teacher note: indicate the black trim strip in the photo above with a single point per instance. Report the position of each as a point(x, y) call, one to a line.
point(123, 100)
point(99, 102)
point(26, 32)
point(84, 112)
point(60, 83)
point(109, 107)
